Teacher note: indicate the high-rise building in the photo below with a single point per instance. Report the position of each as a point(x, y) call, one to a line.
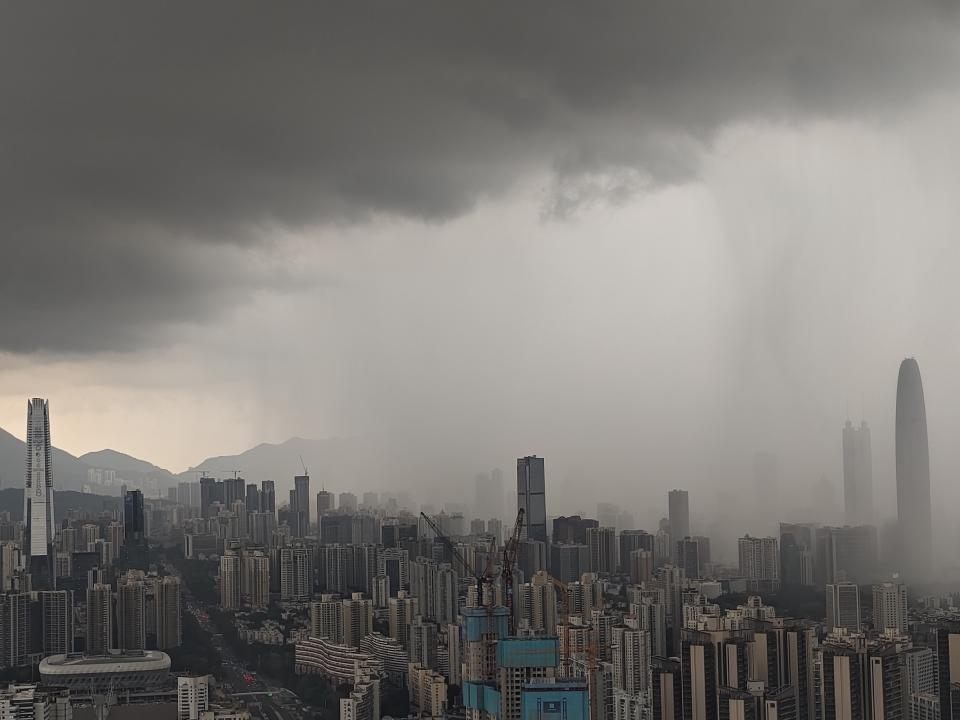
point(300, 504)
point(99, 619)
point(253, 498)
point(230, 580)
point(843, 606)
point(38, 493)
point(631, 540)
point(698, 661)
point(14, 629)
point(531, 497)
point(169, 628)
point(679, 506)
point(602, 542)
point(759, 561)
point(572, 529)
point(326, 618)
point(401, 610)
point(797, 543)
point(268, 497)
point(133, 525)
point(193, 697)
point(913, 474)
point(667, 697)
point(208, 494)
point(131, 612)
point(347, 503)
point(256, 578)
point(296, 574)
point(857, 474)
point(357, 614)
point(631, 660)
point(569, 561)
point(324, 504)
point(890, 607)
point(57, 609)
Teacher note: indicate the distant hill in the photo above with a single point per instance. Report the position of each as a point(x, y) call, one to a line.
point(11, 500)
point(338, 462)
point(68, 472)
point(126, 466)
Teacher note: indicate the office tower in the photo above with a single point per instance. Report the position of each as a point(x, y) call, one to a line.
point(890, 607)
point(631, 540)
point(133, 525)
point(607, 514)
point(401, 611)
point(347, 503)
point(797, 542)
point(602, 542)
point(759, 561)
point(631, 660)
point(324, 504)
point(357, 615)
point(38, 494)
point(253, 498)
point(381, 592)
point(572, 529)
point(846, 553)
point(843, 606)
point(14, 629)
point(131, 613)
point(99, 619)
point(230, 580)
point(693, 555)
point(913, 474)
point(296, 574)
point(857, 474)
point(57, 610)
point(207, 494)
point(256, 580)
point(531, 557)
point(531, 497)
point(678, 502)
point(268, 497)
point(169, 628)
point(300, 501)
point(193, 697)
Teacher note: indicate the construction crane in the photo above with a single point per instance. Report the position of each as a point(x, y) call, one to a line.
point(506, 567)
point(480, 577)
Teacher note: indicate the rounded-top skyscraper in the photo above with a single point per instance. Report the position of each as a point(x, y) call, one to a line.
point(913, 474)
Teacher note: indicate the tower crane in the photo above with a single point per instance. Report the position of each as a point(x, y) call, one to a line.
point(479, 576)
point(506, 568)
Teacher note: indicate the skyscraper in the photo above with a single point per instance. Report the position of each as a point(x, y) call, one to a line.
point(38, 491)
point(57, 609)
point(679, 506)
point(131, 612)
point(857, 475)
point(300, 502)
point(133, 518)
point(169, 628)
point(531, 497)
point(99, 619)
point(843, 606)
point(913, 473)
point(890, 607)
point(268, 497)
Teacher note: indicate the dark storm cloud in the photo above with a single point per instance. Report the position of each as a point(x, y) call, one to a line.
point(132, 134)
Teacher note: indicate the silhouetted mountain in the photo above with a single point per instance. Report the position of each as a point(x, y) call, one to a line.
point(126, 466)
point(69, 473)
point(11, 500)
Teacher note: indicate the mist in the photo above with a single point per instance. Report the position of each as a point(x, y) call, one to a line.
point(646, 266)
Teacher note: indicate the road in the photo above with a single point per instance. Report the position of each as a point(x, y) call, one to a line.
point(260, 698)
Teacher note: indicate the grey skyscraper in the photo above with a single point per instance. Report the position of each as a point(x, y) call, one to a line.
point(679, 506)
point(38, 491)
point(913, 473)
point(857, 475)
point(300, 503)
point(531, 497)
point(268, 497)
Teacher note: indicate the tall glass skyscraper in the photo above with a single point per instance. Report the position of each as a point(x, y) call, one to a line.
point(38, 490)
point(857, 475)
point(913, 474)
point(531, 497)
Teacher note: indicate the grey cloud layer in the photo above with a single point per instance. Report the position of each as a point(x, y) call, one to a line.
point(132, 134)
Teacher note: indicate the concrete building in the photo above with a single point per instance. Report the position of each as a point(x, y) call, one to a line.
point(890, 607)
point(193, 697)
point(759, 561)
point(857, 475)
point(357, 618)
point(678, 502)
point(38, 495)
point(602, 542)
point(843, 607)
point(231, 581)
point(914, 512)
point(99, 619)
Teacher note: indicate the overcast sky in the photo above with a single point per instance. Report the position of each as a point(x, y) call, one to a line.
point(644, 240)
